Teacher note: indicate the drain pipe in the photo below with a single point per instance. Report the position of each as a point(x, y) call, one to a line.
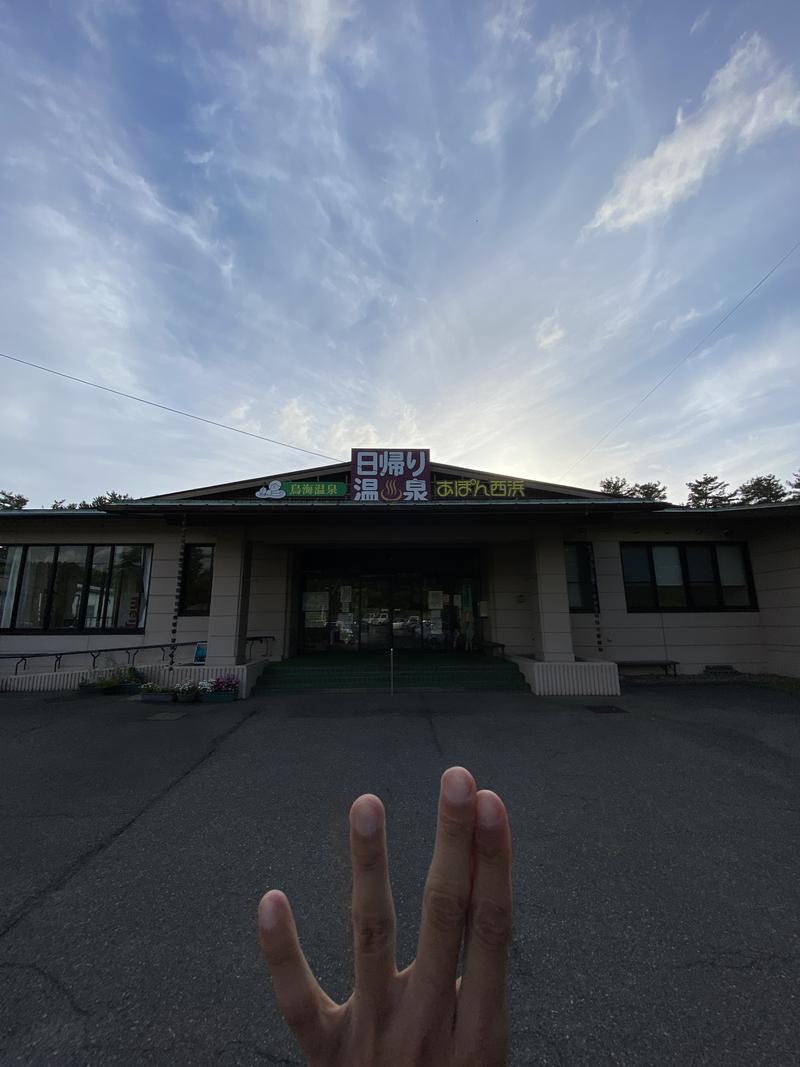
point(391, 672)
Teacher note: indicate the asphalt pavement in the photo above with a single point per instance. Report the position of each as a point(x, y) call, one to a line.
point(655, 872)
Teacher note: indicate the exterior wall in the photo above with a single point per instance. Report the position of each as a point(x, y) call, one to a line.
point(694, 639)
point(165, 541)
point(269, 592)
point(776, 571)
point(512, 597)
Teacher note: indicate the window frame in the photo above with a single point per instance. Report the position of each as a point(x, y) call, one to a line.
point(182, 612)
point(689, 606)
point(83, 629)
point(594, 596)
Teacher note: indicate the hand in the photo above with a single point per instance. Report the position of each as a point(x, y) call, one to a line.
point(420, 1016)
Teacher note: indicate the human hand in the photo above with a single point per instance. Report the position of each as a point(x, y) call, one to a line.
point(422, 1015)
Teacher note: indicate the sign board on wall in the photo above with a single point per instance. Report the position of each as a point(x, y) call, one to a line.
point(390, 475)
point(277, 490)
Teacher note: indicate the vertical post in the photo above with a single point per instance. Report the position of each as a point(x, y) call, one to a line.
point(391, 672)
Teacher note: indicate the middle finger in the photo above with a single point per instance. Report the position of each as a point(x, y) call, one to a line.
point(447, 889)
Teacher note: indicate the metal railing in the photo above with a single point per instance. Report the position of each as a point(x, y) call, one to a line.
point(131, 651)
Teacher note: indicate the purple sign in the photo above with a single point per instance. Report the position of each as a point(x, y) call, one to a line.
point(390, 475)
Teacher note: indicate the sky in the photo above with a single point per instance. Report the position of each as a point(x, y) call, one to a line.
point(484, 228)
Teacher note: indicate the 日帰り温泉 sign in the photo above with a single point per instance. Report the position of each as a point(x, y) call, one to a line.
point(390, 476)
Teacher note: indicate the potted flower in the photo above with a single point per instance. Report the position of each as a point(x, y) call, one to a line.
point(186, 692)
point(223, 689)
point(155, 693)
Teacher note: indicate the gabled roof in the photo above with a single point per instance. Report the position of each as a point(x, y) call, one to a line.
point(335, 471)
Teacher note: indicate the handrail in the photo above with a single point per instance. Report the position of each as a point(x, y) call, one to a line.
point(131, 651)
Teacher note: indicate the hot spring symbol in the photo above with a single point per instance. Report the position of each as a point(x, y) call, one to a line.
point(391, 491)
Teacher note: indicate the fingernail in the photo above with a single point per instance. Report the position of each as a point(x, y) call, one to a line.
point(365, 819)
point(268, 913)
point(457, 785)
point(490, 811)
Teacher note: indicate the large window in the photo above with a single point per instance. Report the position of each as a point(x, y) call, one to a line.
point(73, 587)
point(690, 576)
point(198, 572)
point(581, 587)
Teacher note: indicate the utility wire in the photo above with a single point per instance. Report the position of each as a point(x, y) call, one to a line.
point(165, 407)
point(680, 362)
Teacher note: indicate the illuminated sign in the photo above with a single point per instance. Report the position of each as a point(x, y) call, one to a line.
point(390, 475)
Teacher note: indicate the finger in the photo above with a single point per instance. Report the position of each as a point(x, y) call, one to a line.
point(482, 995)
point(373, 907)
point(447, 889)
point(297, 991)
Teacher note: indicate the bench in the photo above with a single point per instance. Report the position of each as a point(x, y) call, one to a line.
point(667, 665)
point(491, 647)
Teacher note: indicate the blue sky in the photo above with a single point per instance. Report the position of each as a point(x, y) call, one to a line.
point(483, 228)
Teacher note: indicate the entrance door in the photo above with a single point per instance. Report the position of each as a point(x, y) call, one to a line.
point(376, 612)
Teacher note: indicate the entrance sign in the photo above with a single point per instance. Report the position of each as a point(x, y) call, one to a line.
point(472, 488)
point(288, 490)
point(391, 476)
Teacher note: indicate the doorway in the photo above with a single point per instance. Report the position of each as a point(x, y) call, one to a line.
point(377, 599)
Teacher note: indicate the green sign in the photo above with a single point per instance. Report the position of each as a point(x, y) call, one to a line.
point(291, 490)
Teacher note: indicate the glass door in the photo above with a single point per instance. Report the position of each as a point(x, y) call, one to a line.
point(407, 611)
point(376, 613)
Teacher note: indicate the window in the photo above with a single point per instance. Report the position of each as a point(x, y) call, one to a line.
point(198, 571)
point(73, 587)
point(692, 576)
point(581, 588)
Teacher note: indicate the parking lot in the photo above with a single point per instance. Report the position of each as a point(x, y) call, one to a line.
point(656, 867)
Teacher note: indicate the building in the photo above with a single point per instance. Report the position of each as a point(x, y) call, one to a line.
point(393, 551)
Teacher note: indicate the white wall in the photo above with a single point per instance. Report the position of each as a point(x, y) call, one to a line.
point(694, 639)
point(776, 570)
point(512, 597)
point(268, 597)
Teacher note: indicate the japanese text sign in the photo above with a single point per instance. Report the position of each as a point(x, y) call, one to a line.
point(389, 476)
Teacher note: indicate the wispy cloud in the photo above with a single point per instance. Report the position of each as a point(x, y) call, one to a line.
point(699, 23)
point(550, 332)
point(746, 100)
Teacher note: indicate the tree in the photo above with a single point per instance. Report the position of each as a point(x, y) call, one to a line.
point(763, 489)
point(12, 501)
point(709, 492)
point(649, 491)
point(111, 497)
point(615, 486)
point(794, 486)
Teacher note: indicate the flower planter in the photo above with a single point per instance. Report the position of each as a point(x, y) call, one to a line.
point(122, 688)
point(157, 698)
point(186, 698)
point(218, 698)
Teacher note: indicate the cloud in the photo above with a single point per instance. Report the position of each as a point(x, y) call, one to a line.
point(507, 24)
point(550, 332)
point(560, 59)
point(699, 22)
point(494, 121)
point(746, 100)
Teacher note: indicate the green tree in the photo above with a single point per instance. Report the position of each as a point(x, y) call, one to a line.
point(615, 486)
point(794, 486)
point(111, 497)
point(763, 489)
point(709, 492)
point(12, 501)
point(649, 491)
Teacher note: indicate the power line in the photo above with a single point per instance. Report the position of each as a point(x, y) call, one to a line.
point(680, 362)
point(165, 407)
